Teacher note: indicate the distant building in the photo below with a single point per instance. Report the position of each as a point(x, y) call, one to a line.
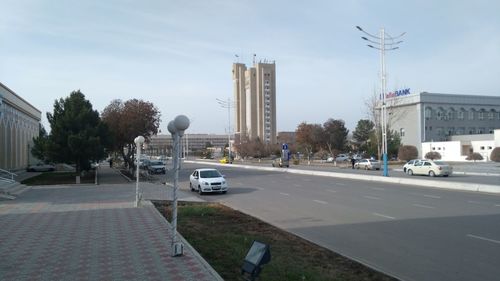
point(162, 144)
point(19, 123)
point(255, 101)
point(432, 117)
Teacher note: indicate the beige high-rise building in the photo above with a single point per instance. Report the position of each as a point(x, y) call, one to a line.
point(255, 97)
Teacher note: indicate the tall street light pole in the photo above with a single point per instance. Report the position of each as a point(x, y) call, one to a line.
point(138, 143)
point(227, 104)
point(176, 127)
point(384, 42)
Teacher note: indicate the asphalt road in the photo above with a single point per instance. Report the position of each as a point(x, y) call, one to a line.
point(412, 233)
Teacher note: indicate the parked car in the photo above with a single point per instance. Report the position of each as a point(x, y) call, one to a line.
point(342, 157)
point(329, 159)
point(41, 167)
point(279, 162)
point(357, 157)
point(225, 160)
point(156, 167)
point(431, 168)
point(410, 163)
point(367, 164)
point(207, 180)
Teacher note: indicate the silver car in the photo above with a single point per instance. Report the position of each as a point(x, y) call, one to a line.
point(207, 180)
point(367, 164)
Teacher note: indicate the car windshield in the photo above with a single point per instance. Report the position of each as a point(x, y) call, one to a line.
point(210, 174)
point(155, 163)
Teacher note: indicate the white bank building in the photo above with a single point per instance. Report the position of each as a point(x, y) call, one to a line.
point(19, 123)
point(453, 125)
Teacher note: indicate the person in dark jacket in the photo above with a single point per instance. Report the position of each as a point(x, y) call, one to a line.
point(352, 162)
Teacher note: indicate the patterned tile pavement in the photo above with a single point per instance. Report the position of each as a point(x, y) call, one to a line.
point(90, 233)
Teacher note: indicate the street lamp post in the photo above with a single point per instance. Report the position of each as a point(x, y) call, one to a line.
point(227, 104)
point(138, 143)
point(176, 128)
point(384, 42)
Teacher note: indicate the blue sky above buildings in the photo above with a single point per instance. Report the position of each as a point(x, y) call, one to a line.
point(178, 54)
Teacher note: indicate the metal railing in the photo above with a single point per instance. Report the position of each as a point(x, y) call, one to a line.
point(7, 176)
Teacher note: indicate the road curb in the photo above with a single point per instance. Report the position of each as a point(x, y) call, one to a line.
point(465, 186)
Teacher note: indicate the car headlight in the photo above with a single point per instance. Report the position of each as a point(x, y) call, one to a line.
point(223, 182)
point(205, 183)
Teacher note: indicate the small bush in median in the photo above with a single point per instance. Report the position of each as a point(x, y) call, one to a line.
point(495, 154)
point(474, 156)
point(433, 155)
point(407, 152)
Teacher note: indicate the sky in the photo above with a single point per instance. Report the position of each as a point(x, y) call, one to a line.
point(178, 54)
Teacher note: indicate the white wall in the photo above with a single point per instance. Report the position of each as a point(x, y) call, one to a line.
point(484, 148)
point(449, 150)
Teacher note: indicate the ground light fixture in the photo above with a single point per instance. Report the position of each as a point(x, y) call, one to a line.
point(258, 255)
point(138, 144)
point(176, 128)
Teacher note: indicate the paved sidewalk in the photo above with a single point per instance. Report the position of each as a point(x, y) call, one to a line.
point(90, 232)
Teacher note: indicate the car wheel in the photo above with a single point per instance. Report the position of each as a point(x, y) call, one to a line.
point(224, 192)
point(410, 172)
point(432, 174)
point(357, 167)
point(199, 190)
point(191, 186)
point(445, 176)
point(366, 168)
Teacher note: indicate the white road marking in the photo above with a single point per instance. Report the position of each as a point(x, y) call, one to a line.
point(321, 202)
point(431, 196)
point(423, 206)
point(372, 197)
point(377, 188)
point(384, 216)
point(474, 202)
point(286, 194)
point(497, 205)
point(483, 238)
point(339, 183)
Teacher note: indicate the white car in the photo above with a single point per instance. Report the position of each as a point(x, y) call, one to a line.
point(430, 168)
point(342, 157)
point(410, 163)
point(367, 164)
point(41, 167)
point(207, 180)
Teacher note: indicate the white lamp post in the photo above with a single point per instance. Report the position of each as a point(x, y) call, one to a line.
point(176, 129)
point(138, 143)
point(384, 42)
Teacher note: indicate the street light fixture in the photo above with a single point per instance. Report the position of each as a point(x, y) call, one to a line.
point(384, 42)
point(176, 128)
point(138, 144)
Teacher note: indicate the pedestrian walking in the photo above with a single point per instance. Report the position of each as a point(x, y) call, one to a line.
point(110, 163)
point(352, 162)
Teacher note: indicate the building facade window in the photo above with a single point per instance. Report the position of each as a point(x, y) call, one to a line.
point(402, 132)
point(460, 115)
point(480, 114)
point(471, 115)
point(428, 113)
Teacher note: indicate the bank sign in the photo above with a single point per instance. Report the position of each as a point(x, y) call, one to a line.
point(398, 93)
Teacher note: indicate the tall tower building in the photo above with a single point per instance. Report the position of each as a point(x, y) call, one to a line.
point(255, 96)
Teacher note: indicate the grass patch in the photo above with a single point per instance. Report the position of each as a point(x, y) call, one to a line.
point(51, 178)
point(223, 236)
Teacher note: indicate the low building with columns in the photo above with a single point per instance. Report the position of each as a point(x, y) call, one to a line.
point(19, 123)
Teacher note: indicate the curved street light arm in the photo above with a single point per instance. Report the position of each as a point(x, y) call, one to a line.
point(371, 35)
